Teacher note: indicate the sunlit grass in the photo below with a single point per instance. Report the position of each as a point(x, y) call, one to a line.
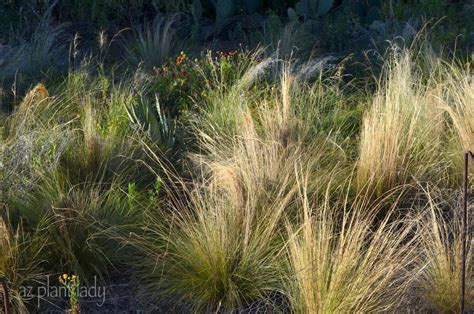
point(286, 186)
point(342, 259)
point(403, 132)
point(441, 249)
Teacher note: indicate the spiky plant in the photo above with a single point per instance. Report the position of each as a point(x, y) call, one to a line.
point(154, 44)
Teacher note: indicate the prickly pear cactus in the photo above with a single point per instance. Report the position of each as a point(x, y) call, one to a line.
point(253, 6)
point(224, 10)
point(292, 15)
point(320, 7)
point(196, 9)
point(313, 8)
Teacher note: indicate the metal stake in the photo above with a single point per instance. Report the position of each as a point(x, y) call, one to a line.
point(467, 155)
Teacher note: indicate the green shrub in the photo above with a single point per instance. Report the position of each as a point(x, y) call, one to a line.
point(184, 81)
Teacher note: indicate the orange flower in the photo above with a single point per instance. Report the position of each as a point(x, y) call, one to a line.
point(180, 58)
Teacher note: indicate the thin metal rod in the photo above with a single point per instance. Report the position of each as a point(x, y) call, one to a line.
point(464, 232)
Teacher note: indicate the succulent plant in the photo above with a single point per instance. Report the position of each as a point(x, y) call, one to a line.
point(368, 11)
point(292, 15)
point(313, 8)
point(373, 14)
point(196, 10)
point(253, 5)
point(224, 10)
point(148, 117)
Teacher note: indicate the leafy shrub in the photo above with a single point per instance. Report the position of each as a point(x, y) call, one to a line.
point(174, 92)
point(183, 82)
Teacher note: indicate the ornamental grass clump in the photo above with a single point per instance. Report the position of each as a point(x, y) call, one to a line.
point(441, 253)
point(70, 154)
point(403, 131)
point(217, 254)
point(459, 101)
point(270, 135)
point(341, 258)
point(220, 247)
point(21, 261)
point(154, 44)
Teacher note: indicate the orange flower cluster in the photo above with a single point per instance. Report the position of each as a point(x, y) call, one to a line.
point(226, 55)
